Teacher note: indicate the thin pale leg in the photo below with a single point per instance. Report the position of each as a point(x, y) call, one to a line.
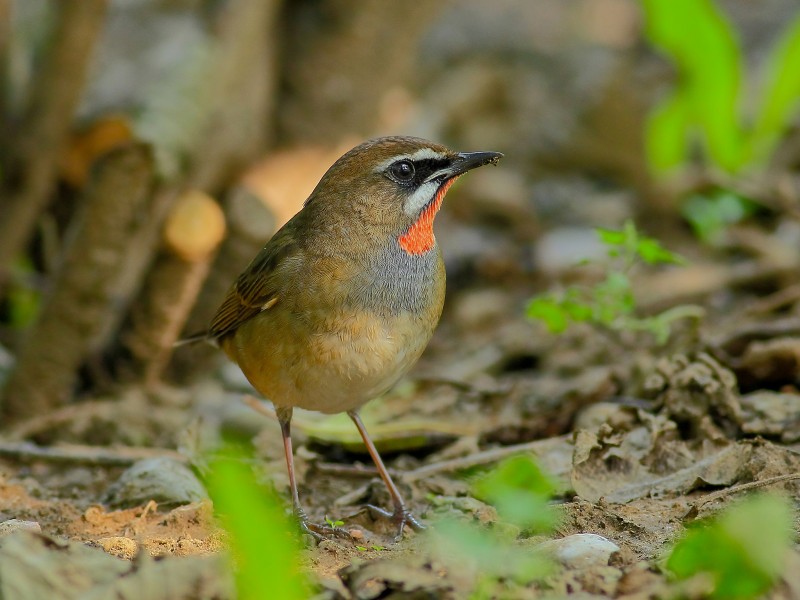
point(318, 532)
point(401, 515)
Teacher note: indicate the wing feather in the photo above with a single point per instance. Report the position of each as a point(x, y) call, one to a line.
point(257, 288)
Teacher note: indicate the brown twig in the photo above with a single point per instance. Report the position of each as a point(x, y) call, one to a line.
point(482, 458)
point(101, 456)
point(250, 224)
point(742, 487)
point(38, 424)
point(40, 139)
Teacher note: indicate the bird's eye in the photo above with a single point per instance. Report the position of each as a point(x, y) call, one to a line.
point(402, 171)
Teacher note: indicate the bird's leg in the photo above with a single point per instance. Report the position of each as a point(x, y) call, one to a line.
point(318, 532)
point(401, 515)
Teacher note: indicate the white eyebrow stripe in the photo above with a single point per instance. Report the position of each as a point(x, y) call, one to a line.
point(421, 154)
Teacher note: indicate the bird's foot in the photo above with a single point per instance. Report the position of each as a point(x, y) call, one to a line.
point(401, 517)
point(317, 531)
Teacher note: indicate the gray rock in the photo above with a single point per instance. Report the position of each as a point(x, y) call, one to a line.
point(581, 550)
point(12, 525)
point(162, 479)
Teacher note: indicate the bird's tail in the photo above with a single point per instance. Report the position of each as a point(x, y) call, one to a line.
point(192, 339)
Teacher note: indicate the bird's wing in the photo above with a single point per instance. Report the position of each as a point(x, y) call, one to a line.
point(256, 289)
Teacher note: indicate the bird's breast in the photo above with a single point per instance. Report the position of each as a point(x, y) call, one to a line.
point(345, 335)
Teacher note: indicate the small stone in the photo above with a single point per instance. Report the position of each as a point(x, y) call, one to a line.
point(562, 248)
point(121, 547)
point(356, 534)
point(12, 525)
point(581, 550)
point(163, 480)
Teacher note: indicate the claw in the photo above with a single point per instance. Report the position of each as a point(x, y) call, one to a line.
point(401, 517)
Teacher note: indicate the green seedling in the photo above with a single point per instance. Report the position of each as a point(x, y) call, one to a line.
point(361, 548)
point(333, 524)
point(710, 214)
point(708, 99)
point(742, 552)
point(266, 556)
point(611, 303)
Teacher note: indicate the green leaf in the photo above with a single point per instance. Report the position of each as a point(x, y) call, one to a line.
point(781, 93)
point(744, 549)
point(549, 311)
point(701, 43)
point(611, 237)
point(667, 134)
point(520, 490)
point(473, 549)
point(709, 215)
point(265, 551)
point(653, 253)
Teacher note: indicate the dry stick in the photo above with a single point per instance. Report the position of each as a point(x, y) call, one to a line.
point(481, 458)
point(43, 423)
point(743, 487)
point(57, 90)
point(250, 224)
point(192, 232)
point(85, 455)
point(61, 339)
point(236, 73)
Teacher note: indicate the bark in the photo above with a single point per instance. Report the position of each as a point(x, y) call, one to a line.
point(41, 137)
point(59, 342)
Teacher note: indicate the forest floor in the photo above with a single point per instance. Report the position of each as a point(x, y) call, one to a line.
point(643, 440)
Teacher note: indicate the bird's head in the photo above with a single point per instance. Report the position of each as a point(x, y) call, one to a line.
point(393, 186)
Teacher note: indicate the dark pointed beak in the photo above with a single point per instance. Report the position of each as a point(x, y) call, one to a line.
point(466, 161)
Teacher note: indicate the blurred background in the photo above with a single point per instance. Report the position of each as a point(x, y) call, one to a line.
point(149, 148)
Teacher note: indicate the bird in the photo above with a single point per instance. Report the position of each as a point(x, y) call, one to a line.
point(343, 299)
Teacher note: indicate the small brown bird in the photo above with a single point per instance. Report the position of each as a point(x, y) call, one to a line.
point(342, 300)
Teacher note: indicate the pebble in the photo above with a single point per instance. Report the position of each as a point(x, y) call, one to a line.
point(118, 546)
point(581, 550)
point(164, 480)
point(12, 525)
point(562, 248)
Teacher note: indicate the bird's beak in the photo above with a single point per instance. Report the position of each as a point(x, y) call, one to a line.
point(463, 162)
point(466, 161)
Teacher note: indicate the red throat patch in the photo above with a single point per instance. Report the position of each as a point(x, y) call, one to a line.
point(419, 237)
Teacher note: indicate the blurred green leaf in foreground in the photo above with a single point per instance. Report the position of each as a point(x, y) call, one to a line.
point(265, 551)
point(742, 552)
point(492, 554)
point(708, 97)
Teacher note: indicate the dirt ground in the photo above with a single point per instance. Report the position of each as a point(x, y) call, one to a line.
point(642, 443)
